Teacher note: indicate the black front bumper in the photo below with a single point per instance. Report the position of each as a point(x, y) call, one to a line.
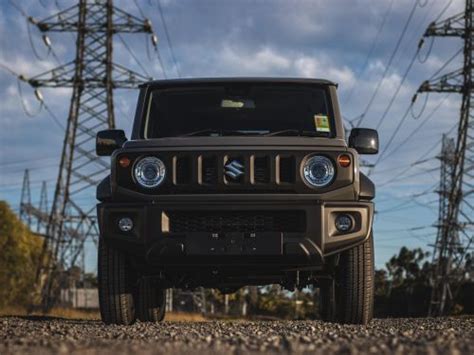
point(290, 233)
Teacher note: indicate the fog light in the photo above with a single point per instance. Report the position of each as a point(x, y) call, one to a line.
point(125, 224)
point(343, 223)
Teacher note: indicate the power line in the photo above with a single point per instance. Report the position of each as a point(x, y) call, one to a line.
point(168, 38)
point(389, 64)
point(142, 14)
point(416, 130)
point(371, 50)
point(402, 81)
point(129, 50)
point(6, 68)
point(426, 171)
point(18, 8)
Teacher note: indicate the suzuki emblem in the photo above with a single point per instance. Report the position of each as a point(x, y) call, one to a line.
point(234, 169)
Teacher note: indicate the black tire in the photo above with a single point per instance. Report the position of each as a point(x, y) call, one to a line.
point(350, 298)
point(116, 286)
point(327, 302)
point(151, 301)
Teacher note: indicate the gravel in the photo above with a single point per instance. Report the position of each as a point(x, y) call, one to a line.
point(41, 335)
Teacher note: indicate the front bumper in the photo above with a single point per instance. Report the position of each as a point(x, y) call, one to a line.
point(290, 232)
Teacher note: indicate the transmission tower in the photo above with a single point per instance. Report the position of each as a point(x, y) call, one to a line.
point(28, 211)
point(442, 256)
point(25, 200)
point(456, 208)
point(93, 76)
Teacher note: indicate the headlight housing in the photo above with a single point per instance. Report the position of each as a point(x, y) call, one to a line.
point(149, 172)
point(318, 171)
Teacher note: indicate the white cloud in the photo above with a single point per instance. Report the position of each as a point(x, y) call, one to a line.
point(317, 68)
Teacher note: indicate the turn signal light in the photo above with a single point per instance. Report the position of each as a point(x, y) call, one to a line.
point(124, 162)
point(344, 160)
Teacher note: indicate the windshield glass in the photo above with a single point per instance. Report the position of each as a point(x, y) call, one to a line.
point(238, 110)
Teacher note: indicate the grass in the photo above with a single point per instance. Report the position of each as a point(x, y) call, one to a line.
point(71, 313)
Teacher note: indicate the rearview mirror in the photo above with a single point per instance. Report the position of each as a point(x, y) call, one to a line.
point(364, 140)
point(109, 140)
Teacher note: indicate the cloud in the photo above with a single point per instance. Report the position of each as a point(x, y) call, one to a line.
point(314, 68)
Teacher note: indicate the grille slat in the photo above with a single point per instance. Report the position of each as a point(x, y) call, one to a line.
point(236, 221)
point(209, 171)
point(262, 170)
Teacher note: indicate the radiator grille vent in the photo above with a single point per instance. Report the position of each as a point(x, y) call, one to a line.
point(236, 221)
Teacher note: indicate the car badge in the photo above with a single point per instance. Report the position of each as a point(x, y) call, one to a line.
point(234, 169)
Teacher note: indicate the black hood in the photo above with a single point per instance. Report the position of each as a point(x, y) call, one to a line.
point(227, 141)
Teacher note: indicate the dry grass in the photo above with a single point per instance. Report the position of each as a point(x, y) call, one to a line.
point(67, 313)
point(184, 317)
point(70, 313)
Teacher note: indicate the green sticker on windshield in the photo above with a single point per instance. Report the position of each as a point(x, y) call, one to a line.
point(321, 123)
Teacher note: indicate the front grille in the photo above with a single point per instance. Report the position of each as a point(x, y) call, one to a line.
point(222, 172)
point(236, 221)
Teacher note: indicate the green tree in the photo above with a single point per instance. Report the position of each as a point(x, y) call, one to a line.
point(19, 253)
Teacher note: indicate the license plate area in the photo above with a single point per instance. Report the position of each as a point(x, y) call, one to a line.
point(234, 243)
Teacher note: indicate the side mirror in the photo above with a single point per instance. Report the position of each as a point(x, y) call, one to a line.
point(364, 140)
point(109, 140)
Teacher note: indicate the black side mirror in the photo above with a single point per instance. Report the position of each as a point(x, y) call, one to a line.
point(108, 141)
point(364, 140)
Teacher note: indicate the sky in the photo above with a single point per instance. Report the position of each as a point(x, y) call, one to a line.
point(365, 46)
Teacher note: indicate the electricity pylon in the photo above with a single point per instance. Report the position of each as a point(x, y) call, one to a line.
point(455, 237)
point(442, 256)
point(93, 76)
point(28, 211)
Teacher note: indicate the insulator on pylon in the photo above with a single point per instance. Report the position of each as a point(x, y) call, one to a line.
point(421, 42)
point(154, 40)
point(47, 41)
point(147, 24)
point(39, 95)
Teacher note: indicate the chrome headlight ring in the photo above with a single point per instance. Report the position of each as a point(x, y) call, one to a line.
point(149, 172)
point(318, 171)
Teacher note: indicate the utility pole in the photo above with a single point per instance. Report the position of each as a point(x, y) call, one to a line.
point(92, 76)
point(457, 207)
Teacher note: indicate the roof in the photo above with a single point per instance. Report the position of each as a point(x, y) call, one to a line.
point(269, 80)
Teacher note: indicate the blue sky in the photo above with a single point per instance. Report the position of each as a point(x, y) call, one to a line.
point(319, 38)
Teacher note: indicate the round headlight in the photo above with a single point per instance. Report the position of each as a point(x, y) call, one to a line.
point(318, 171)
point(149, 172)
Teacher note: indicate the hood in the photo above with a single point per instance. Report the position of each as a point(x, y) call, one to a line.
point(236, 141)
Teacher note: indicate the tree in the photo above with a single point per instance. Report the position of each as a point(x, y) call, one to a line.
point(19, 253)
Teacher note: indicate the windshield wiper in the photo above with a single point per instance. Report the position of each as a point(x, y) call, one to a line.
point(201, 132)
point(295, 132)
point(222, 132)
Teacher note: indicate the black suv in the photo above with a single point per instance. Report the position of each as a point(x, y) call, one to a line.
point(234, 182)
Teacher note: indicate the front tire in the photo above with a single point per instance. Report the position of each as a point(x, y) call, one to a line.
point(151, 301)
point(350, 298)
point(116, 284)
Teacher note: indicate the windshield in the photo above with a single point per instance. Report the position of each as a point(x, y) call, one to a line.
point(238, 110)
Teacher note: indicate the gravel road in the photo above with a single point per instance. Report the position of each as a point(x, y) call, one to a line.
point(390, 336)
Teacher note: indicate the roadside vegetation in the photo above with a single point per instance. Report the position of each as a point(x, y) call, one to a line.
point(19, 254)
